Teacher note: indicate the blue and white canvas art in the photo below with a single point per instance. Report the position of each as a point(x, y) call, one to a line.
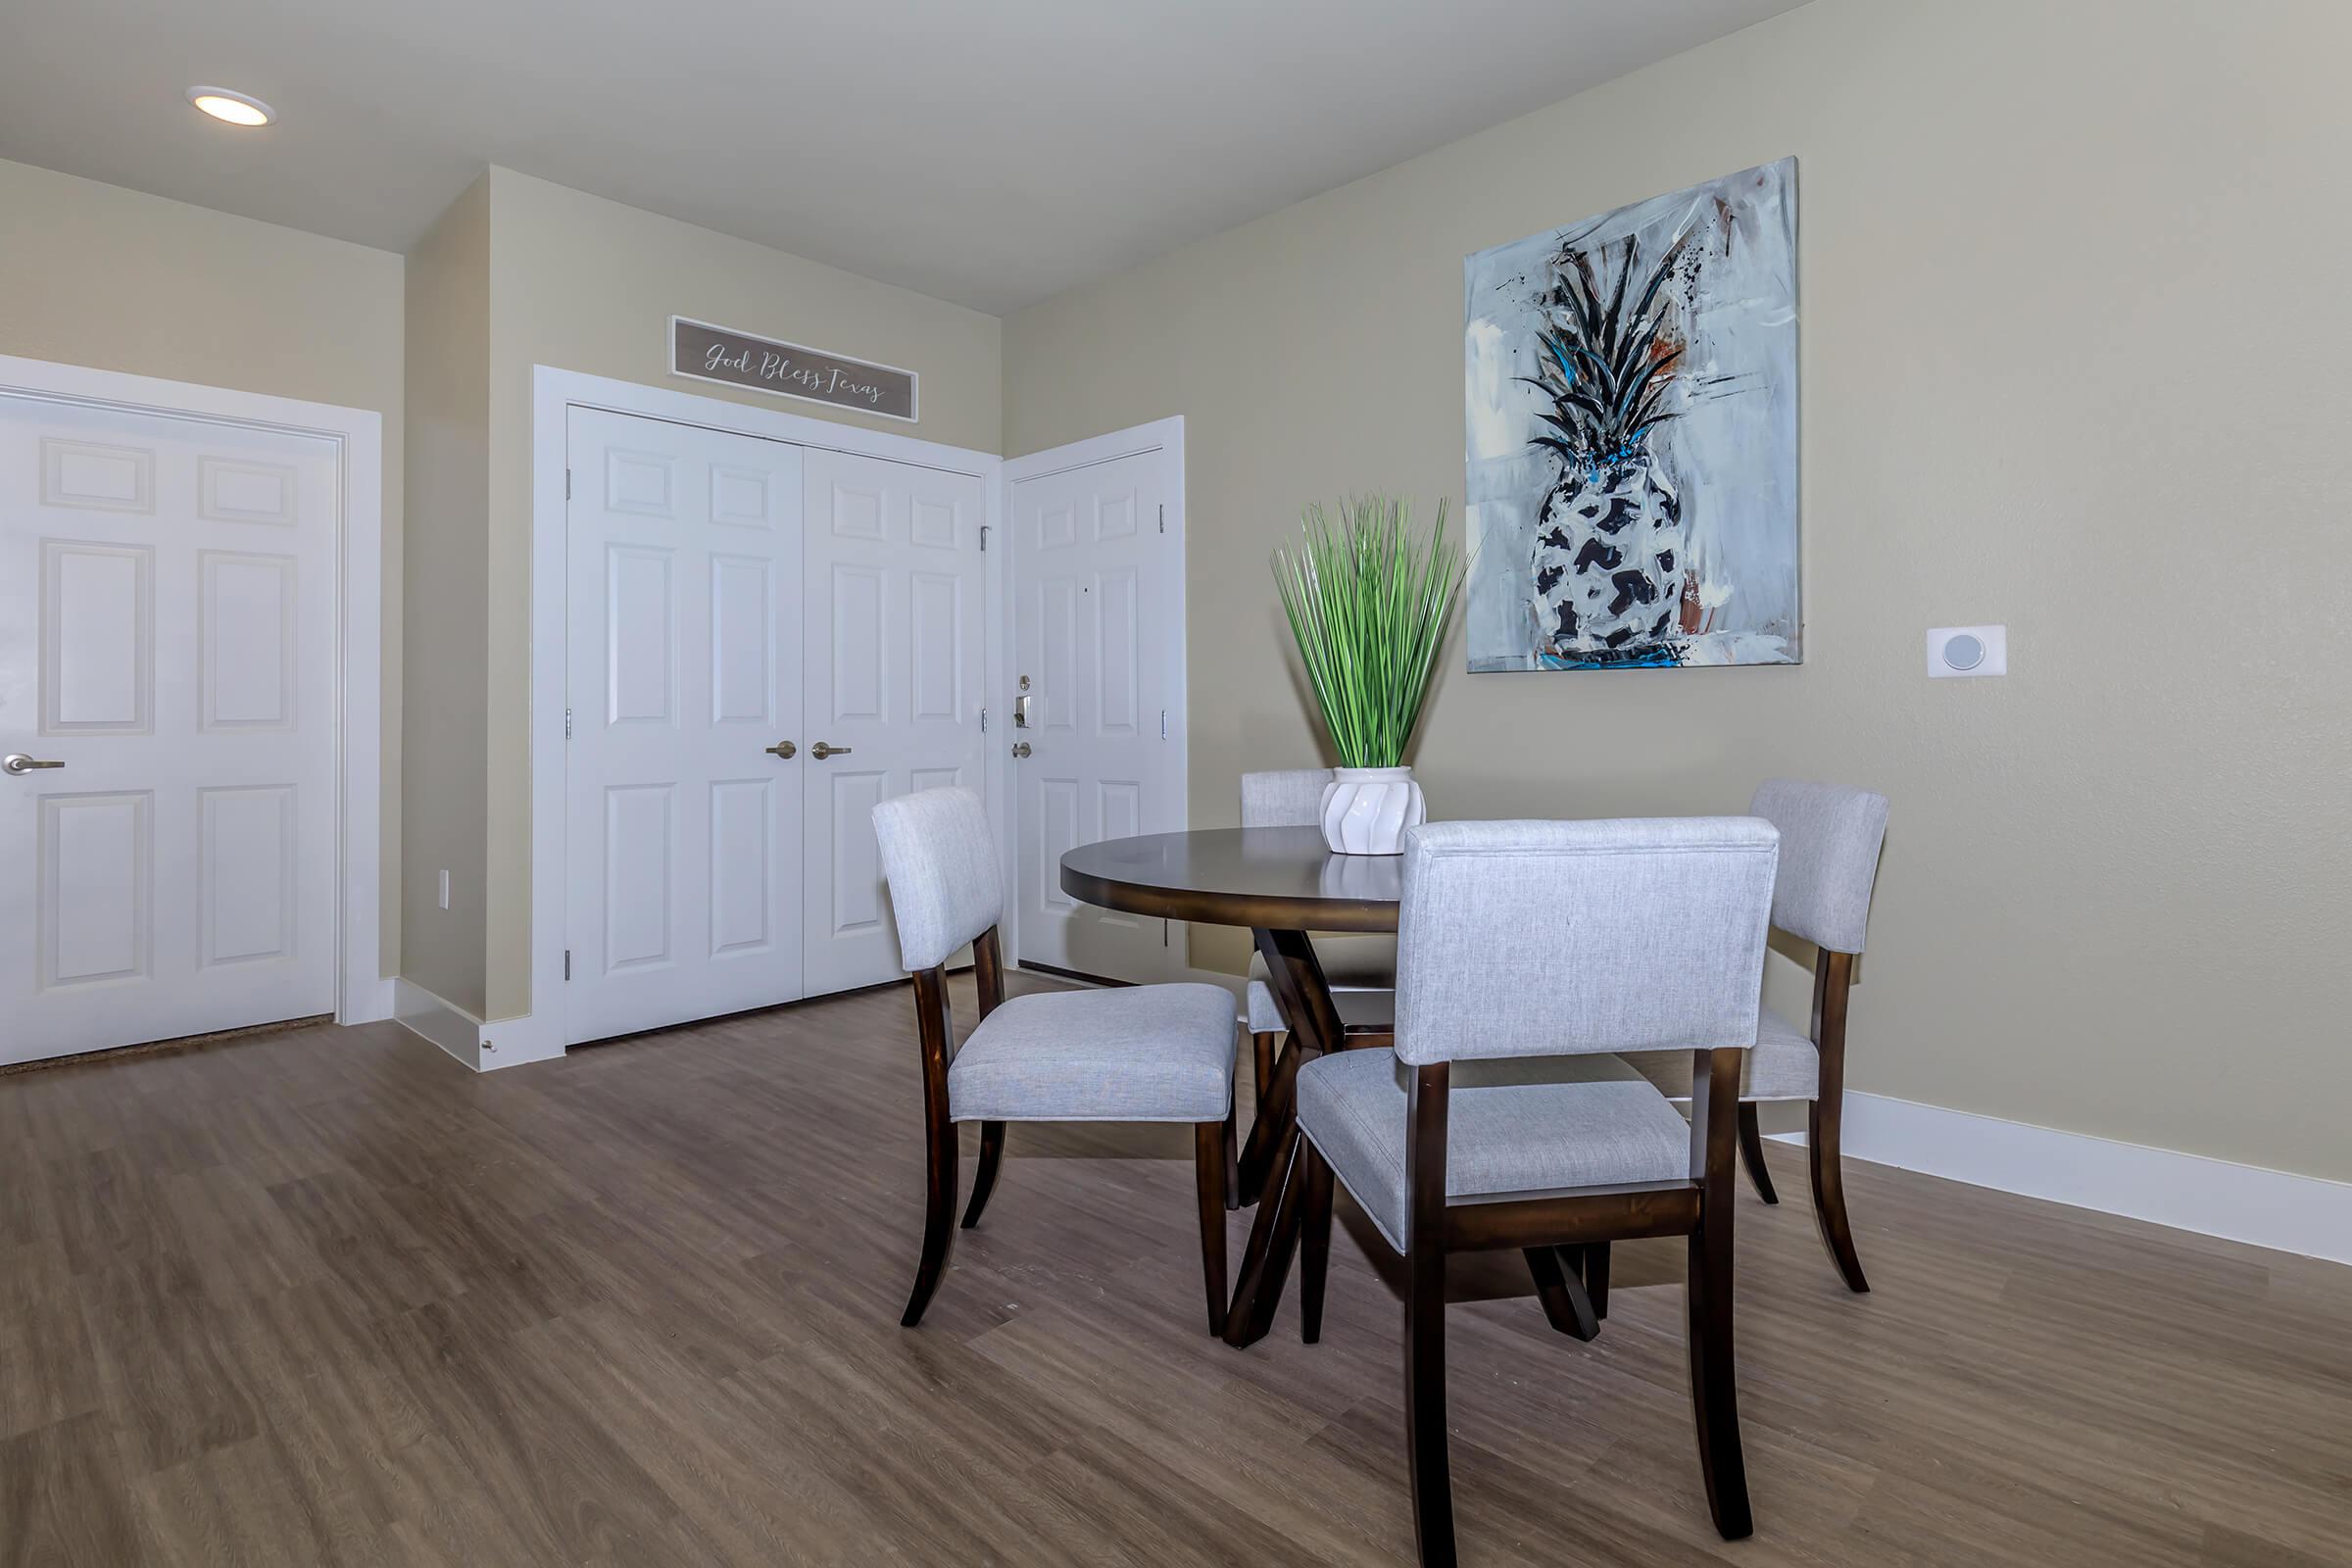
point(1630, 399)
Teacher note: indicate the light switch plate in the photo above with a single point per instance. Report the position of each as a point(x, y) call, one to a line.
point(1954, 651)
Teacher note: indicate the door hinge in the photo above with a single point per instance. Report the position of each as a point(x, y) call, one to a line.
point(568, 724)
point(566, 963)
point(984, 721)
point(1163, 724)
point(1164, 517)
point(1164, 933)
point(567, 493)
point(984, 538)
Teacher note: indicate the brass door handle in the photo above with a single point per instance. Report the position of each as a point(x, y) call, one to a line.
point(783, 749)
point(19, 762)
point(820, 750)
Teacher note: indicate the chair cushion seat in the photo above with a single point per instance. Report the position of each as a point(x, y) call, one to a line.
point(1121, 1053)
point(1352, 961)
point(1783, 1064)
point(1517, 1125)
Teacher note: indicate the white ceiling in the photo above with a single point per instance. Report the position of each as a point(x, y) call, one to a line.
point(989, 152)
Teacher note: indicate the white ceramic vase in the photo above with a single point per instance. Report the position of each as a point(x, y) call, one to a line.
point(1366, 810)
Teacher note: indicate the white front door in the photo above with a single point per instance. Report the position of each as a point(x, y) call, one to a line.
point(168, 591)
point(683, 826)
point(896, 648)
point(1097, 655)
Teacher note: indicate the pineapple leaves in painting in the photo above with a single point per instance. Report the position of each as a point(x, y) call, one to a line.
point(1607, 380)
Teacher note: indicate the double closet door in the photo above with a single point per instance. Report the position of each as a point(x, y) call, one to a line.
point(765, 641)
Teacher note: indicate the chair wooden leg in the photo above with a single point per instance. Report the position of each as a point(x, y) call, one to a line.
point(1561, 1292)
point(936, 1031)
point(1314, 1239)
point(939, 1219)
point(1209, 1145)
point(1233, 1158)
point(1261, 1061)
point(984, 1182)
point(1714, 1392)
point(1707, 1294)
point(1425, 1406)
point(1829, 1192)
point(1751, 1153)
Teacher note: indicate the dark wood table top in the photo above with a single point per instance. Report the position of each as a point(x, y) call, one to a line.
point(1280, 878)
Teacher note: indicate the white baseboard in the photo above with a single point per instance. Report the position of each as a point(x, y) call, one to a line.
point(444, 1023)
point(371, 1004)
point(2305, 1215)
point(513, 1042)
point(483, 1046)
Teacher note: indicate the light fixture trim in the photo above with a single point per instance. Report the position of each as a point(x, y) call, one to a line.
point(232, 108)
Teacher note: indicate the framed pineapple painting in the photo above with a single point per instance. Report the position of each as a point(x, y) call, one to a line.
point(1630, 435)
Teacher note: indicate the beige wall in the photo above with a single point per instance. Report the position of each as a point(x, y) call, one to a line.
point(448, 327)
point(2070, 343)
point(586, 284)
point(98, 275)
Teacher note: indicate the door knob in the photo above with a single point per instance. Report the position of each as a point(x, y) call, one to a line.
point(1020, 748)
point(19, 762)
point(783, 749)
point(820, 750)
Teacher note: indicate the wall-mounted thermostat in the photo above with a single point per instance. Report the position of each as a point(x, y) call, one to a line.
point(1954, 651)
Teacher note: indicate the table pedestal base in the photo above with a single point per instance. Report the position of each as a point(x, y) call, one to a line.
point(1269, 1164)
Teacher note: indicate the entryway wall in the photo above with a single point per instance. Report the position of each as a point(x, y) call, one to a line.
point(114, 279)
point(533, 273)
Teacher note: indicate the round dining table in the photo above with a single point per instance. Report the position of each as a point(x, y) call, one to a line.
point(1280, 883)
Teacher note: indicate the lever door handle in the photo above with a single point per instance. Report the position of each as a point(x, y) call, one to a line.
point(19, 762)
point(783, 749)
point(820, 750)
point(1020, 748)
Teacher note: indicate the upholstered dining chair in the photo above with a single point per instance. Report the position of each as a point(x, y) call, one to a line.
point(1126, 1054)
point(1352, 962)
point(1830, 841)
point(1529, 953)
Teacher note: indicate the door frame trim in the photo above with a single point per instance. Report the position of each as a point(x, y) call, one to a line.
point(542, 1032)
point(1158, 435)
point(363, 990)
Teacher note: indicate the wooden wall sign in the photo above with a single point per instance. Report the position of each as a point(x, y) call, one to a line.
point(720, 354)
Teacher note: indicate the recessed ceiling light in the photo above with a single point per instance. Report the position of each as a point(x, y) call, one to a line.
point(237, 108)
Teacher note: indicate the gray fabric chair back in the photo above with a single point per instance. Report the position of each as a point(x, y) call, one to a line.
point(1289, 798)
point(1553, 939)
point(1829, 838)
point(942, 868)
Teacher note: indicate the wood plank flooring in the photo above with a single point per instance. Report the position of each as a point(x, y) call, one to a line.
point(324, 1297)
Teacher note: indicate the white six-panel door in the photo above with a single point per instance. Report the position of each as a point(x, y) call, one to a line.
point(1095, 636)
point(684, 646)
point(167, 594)
point(897, 648)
